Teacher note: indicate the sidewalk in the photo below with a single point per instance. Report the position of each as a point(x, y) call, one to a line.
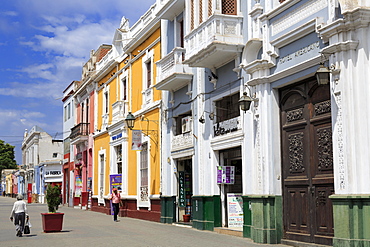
point(87, 228)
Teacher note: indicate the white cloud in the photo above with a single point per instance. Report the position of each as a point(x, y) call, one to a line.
point(10, 13)
point(29, 90)
point(76, 42)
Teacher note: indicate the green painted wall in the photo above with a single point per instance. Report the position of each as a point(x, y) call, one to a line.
point(247, 221)
point(168, 209)
point(206, 212)
point(351, 220)
point(267, 219)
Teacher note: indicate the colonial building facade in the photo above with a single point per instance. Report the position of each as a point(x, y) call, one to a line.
point(292, 167)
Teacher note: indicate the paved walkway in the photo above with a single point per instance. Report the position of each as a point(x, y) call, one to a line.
point(87, 229)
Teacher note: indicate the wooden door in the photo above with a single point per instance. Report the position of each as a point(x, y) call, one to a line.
point(307, 162)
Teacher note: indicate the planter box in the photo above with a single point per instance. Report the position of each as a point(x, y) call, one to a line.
point(52, 222)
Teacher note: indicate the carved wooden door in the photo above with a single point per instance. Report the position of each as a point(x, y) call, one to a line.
point(307, 162)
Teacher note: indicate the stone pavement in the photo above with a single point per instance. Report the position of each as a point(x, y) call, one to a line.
point(87, 228)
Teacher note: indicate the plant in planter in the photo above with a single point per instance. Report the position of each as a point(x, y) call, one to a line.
point(52, 221)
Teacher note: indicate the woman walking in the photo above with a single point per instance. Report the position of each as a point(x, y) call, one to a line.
point(116, 199)
point(19, 214)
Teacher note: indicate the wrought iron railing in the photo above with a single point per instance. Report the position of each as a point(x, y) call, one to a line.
point(81, 129)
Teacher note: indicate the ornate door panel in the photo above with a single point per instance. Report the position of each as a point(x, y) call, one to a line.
point(307, 162)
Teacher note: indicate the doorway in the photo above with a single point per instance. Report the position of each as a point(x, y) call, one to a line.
point(307, 162)
point(185, 190)
point(231, 193)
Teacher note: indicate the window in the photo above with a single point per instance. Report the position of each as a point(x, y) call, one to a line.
point(192, 19)
point(229, 7)
point(118, 150)
point(124, 89)
point(101, 176)
point(65, 114)
point(106, 102)
point(82, 112)
point(183, 124)
point(148, 73)
point(144, 172)
point(69, 110)
point(227, 108)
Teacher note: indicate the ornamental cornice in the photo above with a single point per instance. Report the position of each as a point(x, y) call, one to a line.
point(356, 19)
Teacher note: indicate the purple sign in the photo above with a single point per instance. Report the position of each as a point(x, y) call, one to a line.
point(225, 174)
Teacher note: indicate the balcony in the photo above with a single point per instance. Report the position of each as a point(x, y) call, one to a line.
point(119, 110)
point(79, 133)
point(182, 145)
point(171, 71)
point(215, 42)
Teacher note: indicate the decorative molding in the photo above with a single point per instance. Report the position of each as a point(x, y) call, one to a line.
point(340, 142)
point(325, 149)
point(294, 115)
point(322, 107)
point(297, 15)
point(296, 153)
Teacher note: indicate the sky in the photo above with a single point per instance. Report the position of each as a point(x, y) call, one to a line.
point(43, 46)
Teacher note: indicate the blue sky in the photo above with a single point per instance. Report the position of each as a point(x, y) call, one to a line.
point(43, 45)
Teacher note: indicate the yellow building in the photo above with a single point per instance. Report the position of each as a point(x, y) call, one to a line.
point(125, 87)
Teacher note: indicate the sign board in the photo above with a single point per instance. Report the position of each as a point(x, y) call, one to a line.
point(235, 210)
point(116, 182)
point(225, 174)
point(78, 188)
point(136, 140)
point(181, 189)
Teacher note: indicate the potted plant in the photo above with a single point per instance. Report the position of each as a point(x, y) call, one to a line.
point(52, 221)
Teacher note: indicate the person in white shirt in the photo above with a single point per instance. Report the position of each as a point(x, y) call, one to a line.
point(19, 214)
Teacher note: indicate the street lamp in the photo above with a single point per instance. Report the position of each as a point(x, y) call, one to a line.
point(130, 120)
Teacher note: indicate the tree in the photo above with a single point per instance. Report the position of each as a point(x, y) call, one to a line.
point(7, 157)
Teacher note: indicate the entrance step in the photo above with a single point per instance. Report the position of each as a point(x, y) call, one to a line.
point(228, 231)
point(183, 224)
point(301, 244)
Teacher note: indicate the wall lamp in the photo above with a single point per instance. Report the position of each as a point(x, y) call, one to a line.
point(130, 122)
point(245, 102)
point(322, 75)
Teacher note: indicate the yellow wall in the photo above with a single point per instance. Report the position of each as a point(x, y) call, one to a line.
point(136, 86)
point(101, 143)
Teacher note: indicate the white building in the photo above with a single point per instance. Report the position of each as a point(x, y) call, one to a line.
point(38, 149)
point(300, 153)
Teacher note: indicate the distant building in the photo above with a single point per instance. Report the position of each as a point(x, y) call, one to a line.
point(40, 150)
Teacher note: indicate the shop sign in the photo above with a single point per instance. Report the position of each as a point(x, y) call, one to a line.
point(53, 173)
point(116, 137)
point(226, 126)
point(312, 47)
point(235, 210)
point(225, 174)
point(136, 140)
point(181, 189)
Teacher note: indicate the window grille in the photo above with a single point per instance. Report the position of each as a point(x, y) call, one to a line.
point(229, 7)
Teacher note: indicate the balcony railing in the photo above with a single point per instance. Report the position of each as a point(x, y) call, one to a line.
point(182, 141)
point(172, 73)
point(119, 110)
point(218, 38)
point(80, 130)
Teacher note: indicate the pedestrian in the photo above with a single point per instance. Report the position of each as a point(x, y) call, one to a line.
point(116, 199)
point(19, 214)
